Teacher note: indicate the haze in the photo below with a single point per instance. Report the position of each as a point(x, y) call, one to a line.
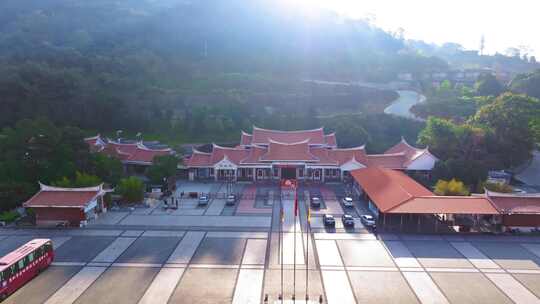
point(460, 21)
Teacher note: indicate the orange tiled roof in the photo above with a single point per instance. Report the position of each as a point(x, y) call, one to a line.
point(388, 188)
point(264, 136)
point(446, 204)
point(278, 151)
point(54, 197)
point(509, 203)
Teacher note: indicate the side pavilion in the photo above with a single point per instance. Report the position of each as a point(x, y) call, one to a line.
point(398, 201)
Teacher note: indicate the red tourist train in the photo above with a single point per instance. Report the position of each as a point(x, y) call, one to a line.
point(24, 263)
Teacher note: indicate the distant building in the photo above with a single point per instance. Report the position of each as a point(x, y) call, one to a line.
point(74, 206)
point(135, 156)
point(309, 155)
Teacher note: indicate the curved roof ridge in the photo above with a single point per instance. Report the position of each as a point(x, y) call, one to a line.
point(195, 151)
point(214, 145)
point(305, 141)
point(44, 187)
point(140, 145)
point(281, 131)
point(362, 147)
point(245, 133)
point(388, 154)
point(122, 144)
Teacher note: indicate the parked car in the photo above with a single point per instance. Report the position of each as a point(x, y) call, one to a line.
point(348, 220)
point(368, 220)
point(348, 202)
point(315, 202)
point(231, 199)
point(203, 200)
point(329, 220)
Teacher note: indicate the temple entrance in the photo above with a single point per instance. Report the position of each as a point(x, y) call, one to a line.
point(288, 173)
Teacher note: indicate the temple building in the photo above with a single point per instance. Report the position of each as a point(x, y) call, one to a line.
point(135, 156)
point(308, 155)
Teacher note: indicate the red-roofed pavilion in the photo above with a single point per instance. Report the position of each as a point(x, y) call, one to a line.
point(75, 206)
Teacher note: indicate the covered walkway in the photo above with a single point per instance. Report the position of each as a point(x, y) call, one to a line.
point(401, 203)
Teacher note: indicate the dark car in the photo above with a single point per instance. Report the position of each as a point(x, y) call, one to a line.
point(329, 220)
point(348, 220)
point(315, 202)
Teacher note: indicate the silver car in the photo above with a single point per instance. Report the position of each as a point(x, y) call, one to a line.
point(348, 202)
point(368, 220)
point(203, 200)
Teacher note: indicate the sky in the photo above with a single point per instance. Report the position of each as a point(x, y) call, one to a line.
point(504, 23)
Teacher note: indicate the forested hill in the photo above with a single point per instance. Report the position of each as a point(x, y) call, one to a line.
point(151, 65)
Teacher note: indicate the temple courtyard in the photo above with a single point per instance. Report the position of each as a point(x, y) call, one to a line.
point(239, 254)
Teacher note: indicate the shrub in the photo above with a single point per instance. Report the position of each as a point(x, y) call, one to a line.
point(9, 216)
point(131, 189)
point(453, 188)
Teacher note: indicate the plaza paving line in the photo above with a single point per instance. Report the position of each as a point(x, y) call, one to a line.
point(534, 248)
point(512, 288)
point(99, 264)
point(255, 252)
point(164, 233)
point(240, 234)
point(249, 286)
point(401, 254)
point(68, 263)
point(445, 269)
point(150, 265)
point(370, 268)
point(59, 241)
point(344, 236)
point(328, 253)
point(68, 293)
point(93, 232)
point(475, 257)
point(217, 266)
point(337, 287)
point(162, 286)
point(198, 221)
point(186, 248)
point(114, 250)
point(526, 271)
point(133, 233)
point(425, 289)
point(216, 207)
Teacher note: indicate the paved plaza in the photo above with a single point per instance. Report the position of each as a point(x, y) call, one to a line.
point(166, 256)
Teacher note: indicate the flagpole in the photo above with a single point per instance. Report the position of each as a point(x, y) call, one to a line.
point(307, 248)
point(281, 219)
point(294, 260)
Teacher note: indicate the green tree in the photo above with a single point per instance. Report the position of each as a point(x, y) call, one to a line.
point(488, 85)
point(131, 189)
point(108, 169)
point(162, 167)
point(510, 118)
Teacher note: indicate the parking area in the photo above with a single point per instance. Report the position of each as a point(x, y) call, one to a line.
point(217, 258)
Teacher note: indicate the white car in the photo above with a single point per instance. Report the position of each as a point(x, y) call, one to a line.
point(368, 220)
point(231, 199)
point(203, 200)
point(348, 202)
